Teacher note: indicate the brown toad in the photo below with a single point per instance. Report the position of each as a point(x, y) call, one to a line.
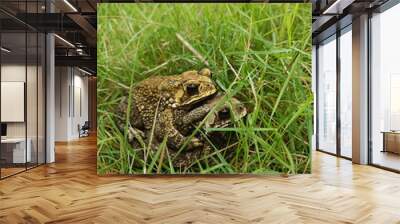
point(223, 113)
point(159, 96)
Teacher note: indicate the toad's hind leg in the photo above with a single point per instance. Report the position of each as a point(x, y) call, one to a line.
point(135, 119)
point(176, 140)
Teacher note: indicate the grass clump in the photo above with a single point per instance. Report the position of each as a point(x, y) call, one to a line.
point(259, 53)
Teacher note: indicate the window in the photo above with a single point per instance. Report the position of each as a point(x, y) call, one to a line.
point(346, 92)
point(385, 89)
point(22, 77)
point(327, 96)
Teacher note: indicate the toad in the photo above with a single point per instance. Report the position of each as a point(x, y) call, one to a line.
point(222, 114)
point(156, 99)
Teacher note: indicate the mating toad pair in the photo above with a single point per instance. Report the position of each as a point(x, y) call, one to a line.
point(170, 108)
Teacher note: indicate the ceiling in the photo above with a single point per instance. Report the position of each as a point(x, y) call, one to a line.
point(74, 22)
point(330, 15)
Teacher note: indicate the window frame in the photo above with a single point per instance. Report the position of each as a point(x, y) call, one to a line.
point(337, 35)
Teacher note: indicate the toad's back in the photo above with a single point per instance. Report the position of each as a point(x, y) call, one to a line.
point(146, 97)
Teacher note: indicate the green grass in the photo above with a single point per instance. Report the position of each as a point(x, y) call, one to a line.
point(260, 53)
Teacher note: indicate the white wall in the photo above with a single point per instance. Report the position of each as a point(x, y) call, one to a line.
point(16, 73)
point(13, 72)
point(70, 83)
point(80, 100)
point(62, 81)
point(10, 73)
point(33, 126)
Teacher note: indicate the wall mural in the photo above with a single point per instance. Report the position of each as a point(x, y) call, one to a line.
point(204, 89)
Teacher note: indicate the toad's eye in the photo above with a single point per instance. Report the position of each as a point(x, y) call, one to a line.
point(224, 113)
point(192, 89)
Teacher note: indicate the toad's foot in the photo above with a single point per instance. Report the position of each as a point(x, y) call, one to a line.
point(135, 133)
point(194, 143)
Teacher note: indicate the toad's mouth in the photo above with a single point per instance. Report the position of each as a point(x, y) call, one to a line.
point(197, 101)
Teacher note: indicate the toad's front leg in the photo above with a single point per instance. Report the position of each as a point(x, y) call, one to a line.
point(186, 121)
point(165, 128)
point(196, 115)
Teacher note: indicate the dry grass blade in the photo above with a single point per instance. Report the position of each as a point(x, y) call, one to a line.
point(149, 144)
point(118, 83)
point(191, 48)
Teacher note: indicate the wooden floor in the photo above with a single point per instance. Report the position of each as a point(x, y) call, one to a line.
point(69, 191)
point(10, 171)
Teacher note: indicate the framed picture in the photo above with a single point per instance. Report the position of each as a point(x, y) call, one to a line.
point(204, 88)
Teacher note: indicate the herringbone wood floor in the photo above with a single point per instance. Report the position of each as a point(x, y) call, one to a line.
point(69, 191)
